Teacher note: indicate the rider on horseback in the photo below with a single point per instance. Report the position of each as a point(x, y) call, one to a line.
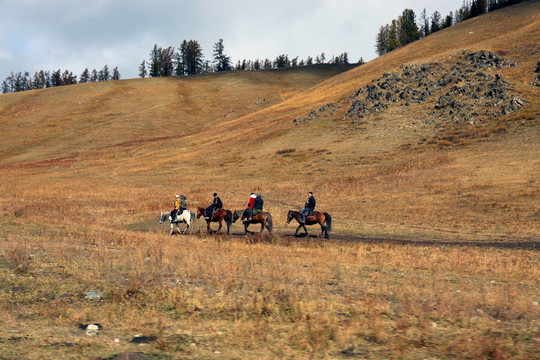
point(248, 213)
point(174, 212)
point(180, 204)
point(258, 205)
point(309, 206)
point(216, 205)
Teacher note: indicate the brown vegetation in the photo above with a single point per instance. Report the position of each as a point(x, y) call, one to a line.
point(86, 169)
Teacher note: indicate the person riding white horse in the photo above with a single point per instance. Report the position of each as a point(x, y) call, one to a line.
point(179, 214)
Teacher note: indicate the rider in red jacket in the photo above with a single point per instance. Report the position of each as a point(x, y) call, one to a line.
point(248, 213)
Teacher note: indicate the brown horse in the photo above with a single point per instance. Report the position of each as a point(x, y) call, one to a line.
point(318, 218)
point(219, 216)
point(264, 218)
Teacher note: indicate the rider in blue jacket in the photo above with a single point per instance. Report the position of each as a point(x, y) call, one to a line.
point(309, 206)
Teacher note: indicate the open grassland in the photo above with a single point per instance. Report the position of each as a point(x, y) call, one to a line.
point(85, 171)
point(265, 297)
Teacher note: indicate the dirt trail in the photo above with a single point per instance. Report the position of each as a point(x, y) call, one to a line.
point(498, 243)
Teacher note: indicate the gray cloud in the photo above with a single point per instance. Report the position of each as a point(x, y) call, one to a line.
point(79, 34)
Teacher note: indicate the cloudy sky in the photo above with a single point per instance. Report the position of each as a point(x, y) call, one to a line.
point(79, 34)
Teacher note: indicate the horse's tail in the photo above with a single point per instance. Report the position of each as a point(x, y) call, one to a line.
point(328, 222)
point(269, 222)
point(192, 216)
point(228, 218)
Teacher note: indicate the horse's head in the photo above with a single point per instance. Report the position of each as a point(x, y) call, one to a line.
point(290, 216)
point(200, 211)
point(235, 216)
point(163, 217)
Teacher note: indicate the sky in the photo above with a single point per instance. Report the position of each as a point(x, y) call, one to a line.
point(77, 34)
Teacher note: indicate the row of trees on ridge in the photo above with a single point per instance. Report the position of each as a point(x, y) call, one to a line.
point(404, 29)
point(22, 81)
point(189, 60)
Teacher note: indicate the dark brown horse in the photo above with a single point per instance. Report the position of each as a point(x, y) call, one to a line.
point(264, 218)
point(318, 218)
point(219, 216)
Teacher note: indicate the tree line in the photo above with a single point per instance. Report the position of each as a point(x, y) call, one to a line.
point(22, 81)
point(189, 60)
point(405, 29)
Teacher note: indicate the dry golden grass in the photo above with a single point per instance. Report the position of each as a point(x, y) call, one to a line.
point(86, 169)
point(275, 298)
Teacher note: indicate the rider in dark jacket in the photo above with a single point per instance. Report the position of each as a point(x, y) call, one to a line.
point(216, 205)
point(309, 206)
point(258, 205)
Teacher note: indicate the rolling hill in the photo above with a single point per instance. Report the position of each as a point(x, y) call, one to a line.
point(402, 168)
point(426, 157)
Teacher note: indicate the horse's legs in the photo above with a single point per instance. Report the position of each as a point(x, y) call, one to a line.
point(298, 228)
point(186, 229)
point(305, 229)
point(219, 228)
point(208, 226)
point(262, 226)
point(172, 229)
point(246, 225)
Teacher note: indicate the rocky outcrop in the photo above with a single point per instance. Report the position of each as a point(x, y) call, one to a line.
point(462, 87)
point(536, 81)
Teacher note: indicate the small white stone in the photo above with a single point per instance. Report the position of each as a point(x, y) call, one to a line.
point(116, 340)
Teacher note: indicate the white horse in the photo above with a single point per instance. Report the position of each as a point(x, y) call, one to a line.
point(186, 216)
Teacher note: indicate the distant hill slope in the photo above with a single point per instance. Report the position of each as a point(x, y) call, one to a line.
point(73, 119)
point(439, 138)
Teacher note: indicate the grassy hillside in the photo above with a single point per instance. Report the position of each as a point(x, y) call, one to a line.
point(86, 169)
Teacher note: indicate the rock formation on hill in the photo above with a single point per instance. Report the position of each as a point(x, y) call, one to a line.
point(463, 88)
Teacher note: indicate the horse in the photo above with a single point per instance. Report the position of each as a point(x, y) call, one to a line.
point(264, 218)
point(318, 218)
point(218, 216)
point(185, 217)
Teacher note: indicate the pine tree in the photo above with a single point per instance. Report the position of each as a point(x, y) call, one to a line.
point(282, 61)
point(448, 20)
point(142, 70)
point(181, 60)
point(381, 42)
point(154, 61)
point(191, 57)
point(435, 22)
point(94, 77)
point(393, 36)
point(56, 78)
point(116, 74)
point(408, 31)
point(105, 75)
point(221, 61)
point(166, 61)
point(85, 76)
point(5, 87)
point(424, 24)
point(478, 7)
